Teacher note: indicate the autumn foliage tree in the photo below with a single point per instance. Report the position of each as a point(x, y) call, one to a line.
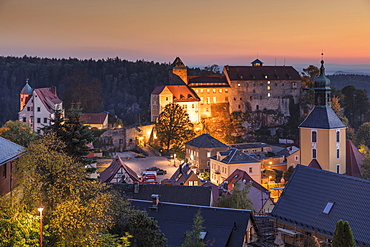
point(17, 132)
point(173, 126)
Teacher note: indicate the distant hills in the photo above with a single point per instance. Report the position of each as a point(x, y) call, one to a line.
point(359, 81)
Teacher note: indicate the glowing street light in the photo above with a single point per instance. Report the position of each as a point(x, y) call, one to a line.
point(40, 208)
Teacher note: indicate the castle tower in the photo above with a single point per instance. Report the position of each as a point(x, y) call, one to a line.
point(25, 95)
point(178, 68)
point(322, 133)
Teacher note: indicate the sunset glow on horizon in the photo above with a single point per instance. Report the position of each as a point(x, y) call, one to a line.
point(200, 32)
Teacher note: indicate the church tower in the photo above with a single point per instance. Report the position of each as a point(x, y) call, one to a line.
point(178, 68)
point(25, 95)
point(322, 133)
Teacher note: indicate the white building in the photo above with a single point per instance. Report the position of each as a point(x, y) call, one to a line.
point(38, 106)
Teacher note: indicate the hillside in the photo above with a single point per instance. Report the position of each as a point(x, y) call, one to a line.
point(359, 81)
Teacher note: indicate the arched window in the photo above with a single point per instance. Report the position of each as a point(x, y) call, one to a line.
point(313, 136)
point(314, 155)
point(338, 136)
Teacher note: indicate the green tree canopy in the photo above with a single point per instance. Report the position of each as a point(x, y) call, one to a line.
point(173, 126)
point(145, 232)
point(192, 237)
point(363, 135)
point(77, 211)
point(17, 132)
point(343, 236)
point(238, 198)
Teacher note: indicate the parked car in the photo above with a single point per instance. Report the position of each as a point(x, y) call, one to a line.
point(157, 169)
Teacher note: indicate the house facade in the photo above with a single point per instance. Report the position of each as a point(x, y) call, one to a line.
point(226, 162)
point(9, 152)
point(38, 106)
point(95, 120)
point(199, 150)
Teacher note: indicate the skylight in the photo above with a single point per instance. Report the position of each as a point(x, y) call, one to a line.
point(328, 207)
point(202, 235)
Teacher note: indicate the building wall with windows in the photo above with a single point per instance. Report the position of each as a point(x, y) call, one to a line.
point(327, 146)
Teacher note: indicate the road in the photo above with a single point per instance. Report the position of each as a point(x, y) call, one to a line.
point(140, 164)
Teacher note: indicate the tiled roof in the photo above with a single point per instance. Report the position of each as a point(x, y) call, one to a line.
point(182, 93)
point(108, 174)
point(353, 160)
point(205, 141)
point(94, 118)
point(196, 195)
point(224, 226)
point(9, 151)
point(322, 118)
point(177, 63)
point(271, 73)
point(307, 194)
point(208, 81)
point(48, 98)
point(158, 89)
point(250, 145)
point(235, 156)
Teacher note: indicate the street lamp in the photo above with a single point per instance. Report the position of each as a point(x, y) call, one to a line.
point(40, 208)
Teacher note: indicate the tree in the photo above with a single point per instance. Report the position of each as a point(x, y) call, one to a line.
point(308, 74)
point(192, 237)
point(343, 236)
point(288, 173)
point(335, 105)
point(76, 210)
point(173, 126)
point(238, 198)
point(73, 133)
point(365, 173)
point(145, 232)
point(363, 135)
point(17, 132)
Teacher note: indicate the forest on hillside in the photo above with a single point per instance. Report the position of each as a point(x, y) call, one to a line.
point(117, 86)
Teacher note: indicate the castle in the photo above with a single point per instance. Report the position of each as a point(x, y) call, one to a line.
point(243, 88)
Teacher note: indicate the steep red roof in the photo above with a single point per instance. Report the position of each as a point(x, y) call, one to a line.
point(108, 174)
point(353, 160)
point(94, 118)
point(240, 175)
point(48, 97)
point(182, 93)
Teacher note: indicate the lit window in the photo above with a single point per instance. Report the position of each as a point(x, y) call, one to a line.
point(214, 90)
point(195, 183)
point(201, 90)
point(266, 76)
point(238, 84)
point(208, 90)
point(268, 88)
point(208, 154)
point(220, 90)
point(190, 183)
point(269, 95)
point(214, 100)
point(196, 90)
point(208, 100)
point(226, 90)
point(268, 82)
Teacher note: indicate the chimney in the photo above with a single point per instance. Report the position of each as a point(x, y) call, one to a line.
point(53, 89)
point(155, 200)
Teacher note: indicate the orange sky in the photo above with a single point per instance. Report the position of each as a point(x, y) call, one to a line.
point(201, 32)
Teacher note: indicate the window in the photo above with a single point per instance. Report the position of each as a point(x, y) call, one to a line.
point(226, 98)
point(208, 154)
point(208, 100)
point(313, 136)
point(314, 153)
point(257, 107)
point(214, 99)
point(296, 158)
point(268, 95)
point(238, 84)
point(268, 88)
point(166, 98)
point(195, 183)
point(38, 120)
point(250, 170)
point(206, 109)
point(328, 208)
point(220, 90)
point(338, 168)
point(192, 106)
point(338, 153)
point(196, 90)
point(238, 106)
point(4, 170)
point(226, 90)
point(208, 90)
point(190, 183)
point(338, 136)
point(28, 108)
point(45, 120)
point(185, 107)
point(38, 109)
point(24, 119)
point(214, 90)
point(268, 82)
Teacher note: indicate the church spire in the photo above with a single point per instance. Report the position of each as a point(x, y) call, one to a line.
point(322, 89)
